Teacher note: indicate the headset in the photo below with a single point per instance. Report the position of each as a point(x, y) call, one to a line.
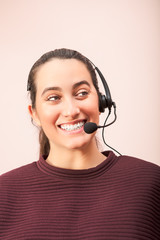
point(105, 101)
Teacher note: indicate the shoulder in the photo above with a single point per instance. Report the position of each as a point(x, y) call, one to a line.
point(19, 174)
point(16, 185)
point(130, 162)
point(138, 169)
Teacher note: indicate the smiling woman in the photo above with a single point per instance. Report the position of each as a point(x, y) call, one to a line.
point(66, 98)
point(58, 62)
point(74, 191)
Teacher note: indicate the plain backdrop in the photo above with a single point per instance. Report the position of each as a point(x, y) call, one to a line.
point(121, 37)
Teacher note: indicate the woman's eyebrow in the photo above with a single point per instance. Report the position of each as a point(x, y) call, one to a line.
point(51, 88)
point(81, 83)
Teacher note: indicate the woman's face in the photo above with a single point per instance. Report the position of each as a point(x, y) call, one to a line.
point(66, 99)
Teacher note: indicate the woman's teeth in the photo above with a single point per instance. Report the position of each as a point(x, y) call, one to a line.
point(69, 127)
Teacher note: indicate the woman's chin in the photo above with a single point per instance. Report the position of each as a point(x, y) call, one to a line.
point(79, 144)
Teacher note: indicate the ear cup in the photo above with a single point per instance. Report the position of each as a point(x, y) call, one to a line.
point(102, 102)
point(105, 100)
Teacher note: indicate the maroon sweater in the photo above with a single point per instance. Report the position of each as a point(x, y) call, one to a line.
point(117, 200)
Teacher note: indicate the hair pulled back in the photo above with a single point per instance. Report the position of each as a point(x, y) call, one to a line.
point(62, 53)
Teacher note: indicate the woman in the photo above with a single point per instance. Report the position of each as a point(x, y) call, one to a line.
point(74, 191)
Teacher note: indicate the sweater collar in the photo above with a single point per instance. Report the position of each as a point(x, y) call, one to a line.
point(78, 174)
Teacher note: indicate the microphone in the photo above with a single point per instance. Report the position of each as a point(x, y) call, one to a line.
point(90, 127)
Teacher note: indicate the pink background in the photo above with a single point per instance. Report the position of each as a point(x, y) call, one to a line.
point(120, 36)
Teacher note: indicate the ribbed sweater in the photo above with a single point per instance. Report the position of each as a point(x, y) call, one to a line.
point(117, 200)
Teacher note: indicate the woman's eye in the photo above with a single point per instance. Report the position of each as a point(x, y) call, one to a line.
point(82, 94)
point(53, 98)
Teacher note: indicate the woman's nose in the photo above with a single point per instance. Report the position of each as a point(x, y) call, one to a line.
point(70, 109)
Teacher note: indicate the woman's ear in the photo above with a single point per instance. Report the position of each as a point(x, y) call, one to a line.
point(34, 115)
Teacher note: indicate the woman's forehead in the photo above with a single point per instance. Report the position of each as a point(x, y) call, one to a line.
point(60, 71)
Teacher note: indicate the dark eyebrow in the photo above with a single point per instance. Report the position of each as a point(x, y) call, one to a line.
point(81, 83)
point(59, 89)
point(51, 88)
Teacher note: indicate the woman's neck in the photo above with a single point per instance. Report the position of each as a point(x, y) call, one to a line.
point(85, 158)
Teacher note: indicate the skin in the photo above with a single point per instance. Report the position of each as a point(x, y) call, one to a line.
point(66, 96)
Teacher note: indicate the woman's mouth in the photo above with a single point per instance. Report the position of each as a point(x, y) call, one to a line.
point(72, 127)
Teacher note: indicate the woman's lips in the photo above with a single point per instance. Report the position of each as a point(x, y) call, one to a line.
point(78, 124)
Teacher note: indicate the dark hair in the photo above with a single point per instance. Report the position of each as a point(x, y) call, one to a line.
point(62, 53)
